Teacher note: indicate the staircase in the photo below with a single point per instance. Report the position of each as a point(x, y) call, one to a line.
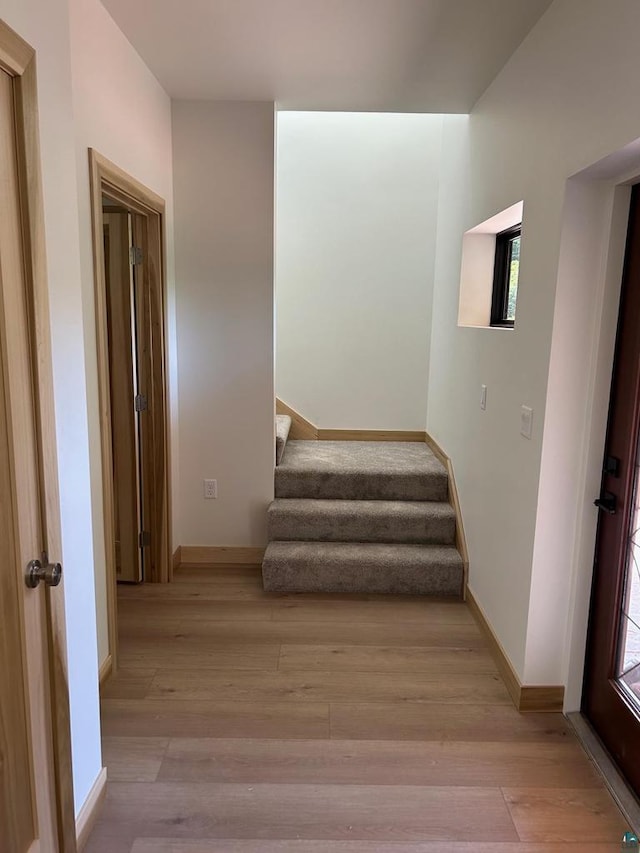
point(362, 517)
point(283, 427)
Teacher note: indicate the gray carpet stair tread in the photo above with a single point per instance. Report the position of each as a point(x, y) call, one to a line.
point(361, 470)
point(362, 567)
point(410, 522)
point(283, 425)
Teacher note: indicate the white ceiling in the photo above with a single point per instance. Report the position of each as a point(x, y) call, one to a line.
point(393, 55)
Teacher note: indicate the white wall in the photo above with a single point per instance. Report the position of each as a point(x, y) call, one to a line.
point(223, 180)
point(357, 197)
point(121, 110)
point(552, 111)
point(46, 27)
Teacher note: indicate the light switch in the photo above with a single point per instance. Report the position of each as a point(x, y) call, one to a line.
point(526, 421)
point(483, 397)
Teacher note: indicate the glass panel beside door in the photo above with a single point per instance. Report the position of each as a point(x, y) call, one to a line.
point(628, 662)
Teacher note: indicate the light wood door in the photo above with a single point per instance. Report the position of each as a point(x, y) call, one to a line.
point(123, 373)
point(150, 349)
point(29, 800)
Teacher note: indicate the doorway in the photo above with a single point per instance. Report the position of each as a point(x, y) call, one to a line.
point(611, 698)
point(124, 290)
point(128, 243)
point(36, 789)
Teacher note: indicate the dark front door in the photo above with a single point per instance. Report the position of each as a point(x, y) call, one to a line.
point(611, 698)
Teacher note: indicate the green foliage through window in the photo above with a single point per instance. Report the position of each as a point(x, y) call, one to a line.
point(514, 270)
point(505, 277)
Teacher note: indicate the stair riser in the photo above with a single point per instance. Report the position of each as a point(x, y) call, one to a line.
point(293, 577)
point(287, 525)
point(360, 486)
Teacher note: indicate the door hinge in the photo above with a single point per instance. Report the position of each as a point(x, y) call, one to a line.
point(144, 539)
point(135, 255)
point(140, 403)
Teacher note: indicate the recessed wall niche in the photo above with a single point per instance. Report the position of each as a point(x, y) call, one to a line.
point(476, 270)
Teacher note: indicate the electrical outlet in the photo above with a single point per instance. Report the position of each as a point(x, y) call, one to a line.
point(526, 421)
point(483, 397)
point(210, 489)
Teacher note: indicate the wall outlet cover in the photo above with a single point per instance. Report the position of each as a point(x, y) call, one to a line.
point(483, 397)
point(210, 489)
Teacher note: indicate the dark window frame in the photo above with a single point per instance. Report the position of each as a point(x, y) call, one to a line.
point(501, 271)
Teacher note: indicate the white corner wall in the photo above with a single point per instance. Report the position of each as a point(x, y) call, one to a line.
point(46, 27)
point(550, 113)
point(224, 201)
point(357, 197)
point(121, 110)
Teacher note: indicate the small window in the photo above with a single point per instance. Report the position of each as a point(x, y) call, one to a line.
point(505, 277)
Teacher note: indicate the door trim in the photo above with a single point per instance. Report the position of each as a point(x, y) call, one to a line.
point(90, 811)
point(18, 59)
point(612, 713)
point(106, 177)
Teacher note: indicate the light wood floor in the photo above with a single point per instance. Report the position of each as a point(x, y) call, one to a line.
point(252, 723)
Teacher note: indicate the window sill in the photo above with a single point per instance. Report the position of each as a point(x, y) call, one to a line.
point(485, 326)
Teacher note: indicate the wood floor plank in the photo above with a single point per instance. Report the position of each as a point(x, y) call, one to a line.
point(378, 763)
point(378, 813)
point(255, 632)
point(565, 814)
point(435, 721)
point(140, 626)
point(425, 611)
point(176, 717)
point(98, 843)
point(138, 611)
point(387, 659)
point(187, 653)
point(225, 591)
point(133, 759)
point(213, 845)
point(133, 683)
point(301, 686)
point(386, 729)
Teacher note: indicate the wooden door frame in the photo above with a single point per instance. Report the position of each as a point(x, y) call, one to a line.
point(18, 59)
point(107, 178)
point(611, 713)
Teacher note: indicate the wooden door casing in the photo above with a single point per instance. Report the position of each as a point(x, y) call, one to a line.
point(605, 704)
point(147, 210)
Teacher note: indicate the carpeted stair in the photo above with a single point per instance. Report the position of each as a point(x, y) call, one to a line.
point(365, 517)
point(408, 522)
point(283, 425)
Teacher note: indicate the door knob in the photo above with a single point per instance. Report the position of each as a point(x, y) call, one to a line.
point(43, 570)
point(607, 503)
